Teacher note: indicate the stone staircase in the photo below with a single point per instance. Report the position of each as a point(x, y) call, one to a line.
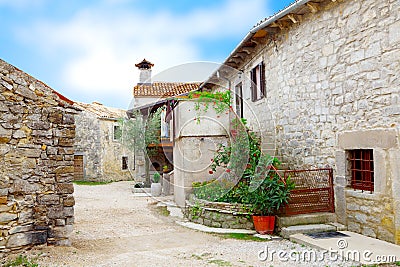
point(308, 223)
point(304, 223)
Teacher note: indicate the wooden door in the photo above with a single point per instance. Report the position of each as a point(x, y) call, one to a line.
point(78, 167)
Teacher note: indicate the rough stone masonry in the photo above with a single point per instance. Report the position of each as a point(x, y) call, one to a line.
point(37, 131)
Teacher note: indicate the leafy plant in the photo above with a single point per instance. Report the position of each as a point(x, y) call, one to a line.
point(156, 177)
point(221, 102)
point(21, 261)
point(138, 133)
point(270, 195)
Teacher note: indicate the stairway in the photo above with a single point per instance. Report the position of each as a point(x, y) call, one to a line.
point(308, 223)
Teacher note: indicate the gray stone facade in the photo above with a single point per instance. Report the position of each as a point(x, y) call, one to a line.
point(102, 154)
point(332, 84)
point(37, 133)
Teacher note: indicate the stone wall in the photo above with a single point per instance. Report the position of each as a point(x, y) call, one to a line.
point(219, 214)
point(336, 72)
point(36, 153)
point(88, 144)
point(195, 144)
point(102, 154)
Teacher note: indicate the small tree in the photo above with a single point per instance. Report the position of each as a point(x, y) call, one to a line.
point(139, 132)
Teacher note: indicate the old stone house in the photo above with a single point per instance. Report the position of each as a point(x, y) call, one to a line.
point(100, 154)
point(319, 80)
point(148, 97)
point(37, 133)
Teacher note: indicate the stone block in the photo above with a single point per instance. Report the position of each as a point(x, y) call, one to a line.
point(384, 139)
point(60, 222)
point(20, 229)
point(67, 142)
point(65, 188)
point(60, 231)
point(3, 200)
point(69, 201)
point(19, 240)
point(394, 33)
point(49, 199)
point(7, 217)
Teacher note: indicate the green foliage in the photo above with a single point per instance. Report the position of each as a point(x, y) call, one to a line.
point(91, 183)
point(156, 177)
point(221, 101)
point(250, 177)
point(240, 236)
point(21, 261)
point(138, 133)
point(270, 195)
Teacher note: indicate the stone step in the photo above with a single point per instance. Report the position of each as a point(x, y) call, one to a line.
point(286, 232)
point(303, 219)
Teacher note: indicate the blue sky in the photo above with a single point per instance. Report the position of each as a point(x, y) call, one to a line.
point(86, 50)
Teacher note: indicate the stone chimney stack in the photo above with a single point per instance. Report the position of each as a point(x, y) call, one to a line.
point(145, 71)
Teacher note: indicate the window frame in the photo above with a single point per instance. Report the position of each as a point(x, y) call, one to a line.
point(361, 169)
point(257, 77)
point(115, 128)
point(125, 163)
point(239, 99)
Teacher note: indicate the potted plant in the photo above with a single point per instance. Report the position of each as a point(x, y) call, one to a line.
point(156, 185)
point(269, 193)
point(165, 169)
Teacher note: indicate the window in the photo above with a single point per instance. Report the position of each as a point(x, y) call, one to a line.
point(239, 100)
point(117, 133)
point(362, 169)
point(257, 76)
point(124, 163)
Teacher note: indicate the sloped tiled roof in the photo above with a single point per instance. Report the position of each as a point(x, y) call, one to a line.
point(164, 89)
point(102, 111)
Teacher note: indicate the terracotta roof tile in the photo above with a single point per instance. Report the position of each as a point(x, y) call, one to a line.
point(102, 111)
point(164, 89)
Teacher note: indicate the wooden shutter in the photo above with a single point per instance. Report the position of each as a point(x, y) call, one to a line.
point(253, 86)
point(262, 79)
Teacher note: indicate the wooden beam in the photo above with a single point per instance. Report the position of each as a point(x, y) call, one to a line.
point(313, 7)
point(294, 18)
point(260, 33)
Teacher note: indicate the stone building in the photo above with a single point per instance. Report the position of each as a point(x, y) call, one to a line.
point(37, 133)
point(148, 97)
point(320, 80)
point(99, 153)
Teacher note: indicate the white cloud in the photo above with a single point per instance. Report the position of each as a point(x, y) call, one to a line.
point(107, 43)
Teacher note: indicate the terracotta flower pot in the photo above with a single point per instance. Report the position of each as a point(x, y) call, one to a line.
point(264, 224)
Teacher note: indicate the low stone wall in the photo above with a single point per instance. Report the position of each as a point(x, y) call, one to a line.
point(219, 214)
point(371, 215)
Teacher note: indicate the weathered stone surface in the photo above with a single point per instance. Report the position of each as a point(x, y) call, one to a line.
point(65, 188)
point(19, 240)
point(30, 115)
point(49, 199)
point(3, 200)
point(7, 217)
point(20, 228)
point(69, 201)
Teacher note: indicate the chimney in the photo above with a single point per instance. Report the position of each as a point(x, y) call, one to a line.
point(145, 71)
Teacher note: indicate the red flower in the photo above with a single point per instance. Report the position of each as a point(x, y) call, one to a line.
point(255, 155)
point(228, 170)
point(210, 172)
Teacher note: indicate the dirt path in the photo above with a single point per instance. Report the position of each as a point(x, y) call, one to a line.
point(115, 228)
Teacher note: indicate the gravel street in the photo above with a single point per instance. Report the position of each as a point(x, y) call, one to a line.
point(115, 228)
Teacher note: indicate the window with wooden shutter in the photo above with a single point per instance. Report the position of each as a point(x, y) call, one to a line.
point(257, 76)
